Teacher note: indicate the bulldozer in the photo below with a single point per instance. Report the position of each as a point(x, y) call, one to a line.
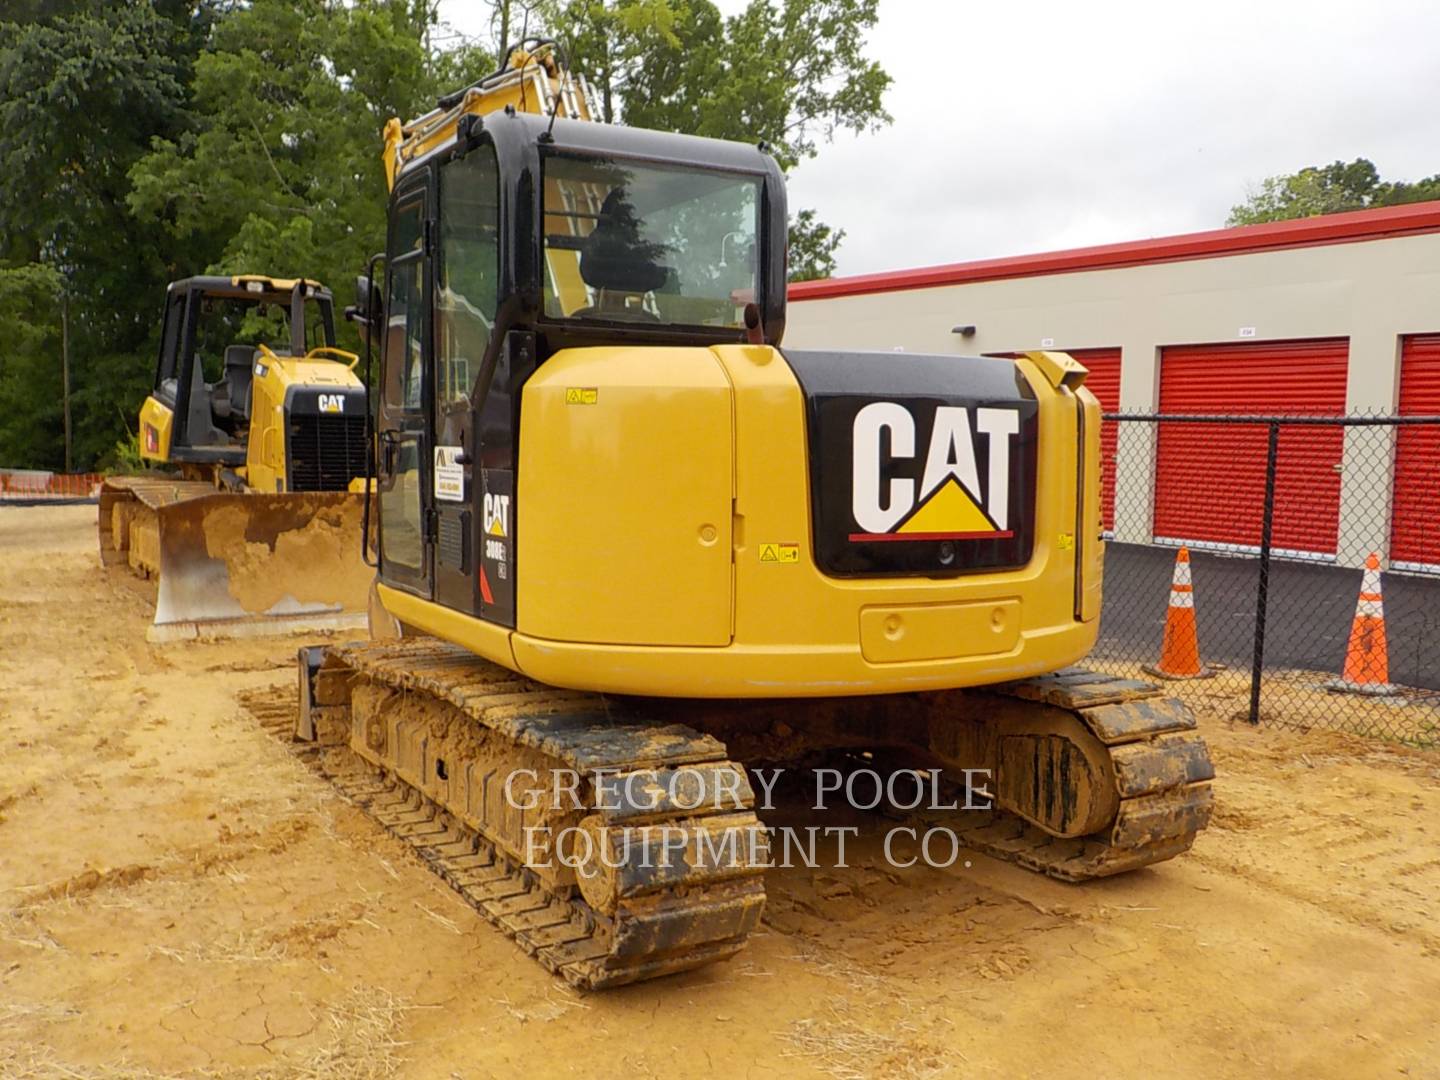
point(254, 524)
point(629, 544)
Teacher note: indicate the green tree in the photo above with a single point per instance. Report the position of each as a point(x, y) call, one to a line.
point(82, 92)
point(281, 171)
point(31, 420)
point(147, 140)
point(788, 73)
point(812, 247)
point(1329, 189)
point(33, 11)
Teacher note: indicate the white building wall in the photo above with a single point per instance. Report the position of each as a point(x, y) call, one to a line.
point(1371, 291)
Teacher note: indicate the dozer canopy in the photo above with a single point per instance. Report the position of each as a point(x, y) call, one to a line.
point(212, 330)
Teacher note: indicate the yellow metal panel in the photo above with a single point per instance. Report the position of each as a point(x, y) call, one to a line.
point(157, 424)
point(312, 370)
point(265, 452)
point(624, 502)
point(480, 637)
point(892, 635)
point(272, 285)
point(796, 631)
point(807, 669)
point(1060, 369)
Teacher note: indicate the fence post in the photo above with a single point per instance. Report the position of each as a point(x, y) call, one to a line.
point(1262, 592)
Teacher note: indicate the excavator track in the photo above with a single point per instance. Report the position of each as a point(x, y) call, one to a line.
point(682, 884)
point(382, 717)
point(1161, 766)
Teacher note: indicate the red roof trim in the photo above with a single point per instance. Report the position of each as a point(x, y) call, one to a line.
point(1345, 228)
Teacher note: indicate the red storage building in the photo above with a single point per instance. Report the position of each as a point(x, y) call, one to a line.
point(1415, 520)
point(1211, 489)
point(1104, 382)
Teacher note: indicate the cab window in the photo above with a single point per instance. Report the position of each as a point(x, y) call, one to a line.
point(467, 271)
point(404, 325)
point(645, 242)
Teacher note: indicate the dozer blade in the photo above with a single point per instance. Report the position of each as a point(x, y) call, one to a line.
point(239, 564)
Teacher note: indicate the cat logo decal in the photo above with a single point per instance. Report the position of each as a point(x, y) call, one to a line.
point(948, 501)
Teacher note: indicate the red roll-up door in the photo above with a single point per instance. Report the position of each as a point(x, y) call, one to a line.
point(1415, 526)
point(1210, 479)
point(1104, 382)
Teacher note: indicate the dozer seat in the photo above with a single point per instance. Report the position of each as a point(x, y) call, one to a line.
point(208, 421)
point(239, 373)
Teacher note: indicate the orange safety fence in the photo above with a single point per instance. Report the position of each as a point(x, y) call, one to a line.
point(38, 484)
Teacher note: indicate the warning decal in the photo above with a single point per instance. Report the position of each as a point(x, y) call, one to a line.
point(780, 553)
point(581, 395)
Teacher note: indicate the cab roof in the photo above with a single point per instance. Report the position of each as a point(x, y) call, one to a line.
point(249, 287)
point(593, 137)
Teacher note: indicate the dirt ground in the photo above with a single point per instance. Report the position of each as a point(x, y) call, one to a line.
point(1301, 700)
point(180, 896)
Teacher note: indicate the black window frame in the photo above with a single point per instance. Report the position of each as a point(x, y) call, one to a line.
point(415, 191)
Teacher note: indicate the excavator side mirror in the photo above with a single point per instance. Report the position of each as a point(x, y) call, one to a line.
point(362, 294)
point(367, 301)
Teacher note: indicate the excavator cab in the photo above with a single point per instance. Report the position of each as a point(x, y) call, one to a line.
point(527, 237)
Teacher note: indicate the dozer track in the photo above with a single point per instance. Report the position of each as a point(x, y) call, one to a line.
point(1161, 768)
point(422, 735)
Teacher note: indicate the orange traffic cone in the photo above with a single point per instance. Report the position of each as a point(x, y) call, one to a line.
point(1180, 647)
point(1367, 657)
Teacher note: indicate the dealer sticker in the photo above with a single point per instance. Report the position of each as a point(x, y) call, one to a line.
point(449, 474)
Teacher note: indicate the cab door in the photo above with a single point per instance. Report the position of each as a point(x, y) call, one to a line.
point(403, 419)
point(468, 577)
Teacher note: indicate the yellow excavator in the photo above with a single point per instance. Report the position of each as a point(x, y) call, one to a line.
point(256, 525)
point(627, 542)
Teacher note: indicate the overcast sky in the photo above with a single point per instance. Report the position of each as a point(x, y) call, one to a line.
point(1030, 126)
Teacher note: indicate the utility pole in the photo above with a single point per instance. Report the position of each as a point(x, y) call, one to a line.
point(65, 371)
point(431, 14)
point(502, 14)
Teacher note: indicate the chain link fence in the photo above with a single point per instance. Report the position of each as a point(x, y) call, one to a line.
point(1274, 618)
